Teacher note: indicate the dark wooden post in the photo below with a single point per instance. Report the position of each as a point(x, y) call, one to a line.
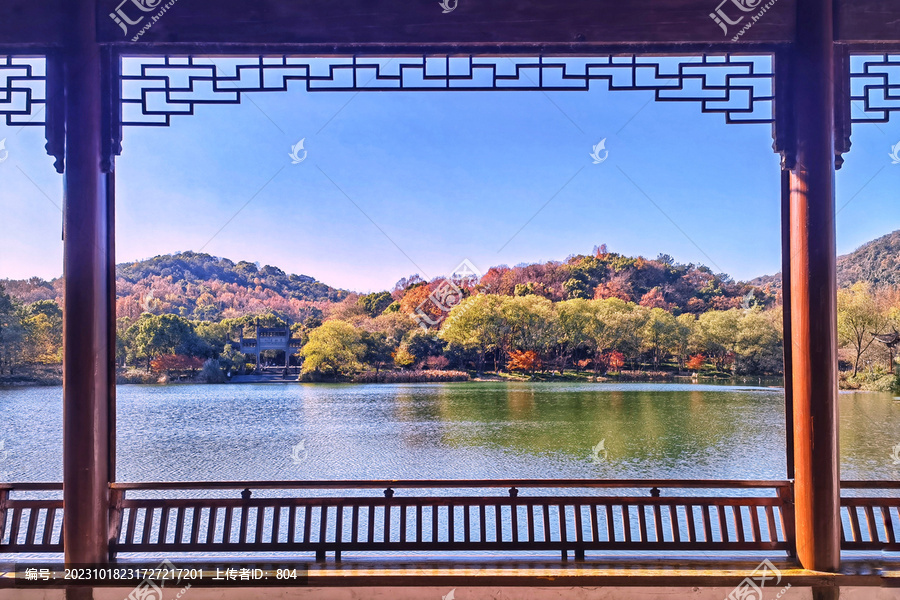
point(813, 294)
point(86, 376)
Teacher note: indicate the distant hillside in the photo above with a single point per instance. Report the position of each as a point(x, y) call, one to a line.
point(876, 262)
point(199, 286)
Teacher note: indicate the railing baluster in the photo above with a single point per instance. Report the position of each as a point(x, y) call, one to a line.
point(870, 523)
point(675, 523)
point(148, 524)
point(211, 526)
point(691, 526)
point(451, 537)
point(307, 524)
point(854, 524)
point(292, 524)
point(419, 524)
point(163, 525)
point(579, 533)
point(387, 523)
point(657, 522)
point(467, 523)
point(196, 516)
point(244, 524)
point(49, 522)
point(226, 525)
point(4, 504)
point(354, 523)
point(14, 527)
point(707, 513)
point(723, 524)
point(530, 508)
point(31, 528)
point(403, 508)
point(595, 526)
point(738, 522)
point(276, 523)
point(435, 538)
point(483, 523)
point(770, 523)
point(888, 524)
point(323, 523)
point(514, 522)
point(546, 510)
point(643, 530)
point(498, 521)
point(339, 525)
point(754, 523)
point(260, 519)
point(371, 531)
point(626, 522)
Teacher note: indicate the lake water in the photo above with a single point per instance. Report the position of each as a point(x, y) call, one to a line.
point(465, 430)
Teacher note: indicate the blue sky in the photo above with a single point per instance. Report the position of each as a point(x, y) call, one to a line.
point(397, 183)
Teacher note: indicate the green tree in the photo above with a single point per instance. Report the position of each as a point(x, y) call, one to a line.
point(155, 335)
point(376, 303)
point(719, 335)
point(760, 347)
point(858, 318)
point(529, 323)
point(659, 334)
point(575, 322)
point(335, 348)
point(12, 332)
point(684, 338)
point(474, 324)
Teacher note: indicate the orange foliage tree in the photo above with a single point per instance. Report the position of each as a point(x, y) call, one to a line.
point(696, 362)
point(175, 362)
point(523, 360)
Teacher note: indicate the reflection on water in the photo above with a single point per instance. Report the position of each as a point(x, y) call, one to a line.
point(484, 430)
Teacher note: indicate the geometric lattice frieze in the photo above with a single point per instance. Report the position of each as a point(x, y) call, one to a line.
point(874, 87)
point(154, 89)
point(23, 90)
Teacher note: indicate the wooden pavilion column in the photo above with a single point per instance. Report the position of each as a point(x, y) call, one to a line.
point(813, 291)
point(86, 323)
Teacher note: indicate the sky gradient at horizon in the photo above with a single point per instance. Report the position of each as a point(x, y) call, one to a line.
point(398, 183)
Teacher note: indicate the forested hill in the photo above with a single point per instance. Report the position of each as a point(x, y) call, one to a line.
point(199, 286)
point(876, 262)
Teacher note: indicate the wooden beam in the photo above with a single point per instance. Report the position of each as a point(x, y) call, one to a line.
point(86, 378)
point(814, 293)
point(867, 21)
point(361, 22)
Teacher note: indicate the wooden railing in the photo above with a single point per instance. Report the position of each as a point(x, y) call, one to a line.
point(871, 523)
point(461, 515)
point(30, 525)
point(505, 521)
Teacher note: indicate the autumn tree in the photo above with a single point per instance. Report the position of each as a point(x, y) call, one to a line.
point(858, 318)
point(475, 324)
point(336, 348)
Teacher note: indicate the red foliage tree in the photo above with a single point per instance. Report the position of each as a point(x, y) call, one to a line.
point(696, 362)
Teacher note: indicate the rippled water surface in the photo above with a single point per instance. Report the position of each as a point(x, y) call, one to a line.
point(468, 430)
